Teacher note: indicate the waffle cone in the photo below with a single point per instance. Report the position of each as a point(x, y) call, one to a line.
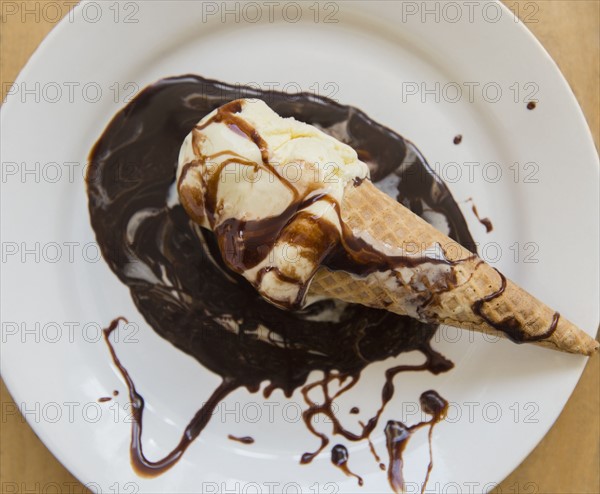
point(466, 292)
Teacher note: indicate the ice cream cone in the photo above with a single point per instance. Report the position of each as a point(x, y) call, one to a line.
point(441, 281)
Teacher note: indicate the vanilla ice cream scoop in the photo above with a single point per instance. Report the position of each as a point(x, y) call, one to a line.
point(269, 188)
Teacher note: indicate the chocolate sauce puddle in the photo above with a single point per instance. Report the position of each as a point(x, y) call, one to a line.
point(182, 287)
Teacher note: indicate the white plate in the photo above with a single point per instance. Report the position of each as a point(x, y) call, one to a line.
point(505, 397)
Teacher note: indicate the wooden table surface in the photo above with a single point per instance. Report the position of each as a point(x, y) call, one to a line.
point(566, 461)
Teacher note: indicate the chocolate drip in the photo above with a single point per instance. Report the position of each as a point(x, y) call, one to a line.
point(458, 139)
point(339, 457)
point(244, 244)
point(243, 440)
point(510, 326)
point(372, 449)
point(531, 105)
point(140, 463)
point(354, 410)
point(484, 221)
point(398, 434)
point(185, 290)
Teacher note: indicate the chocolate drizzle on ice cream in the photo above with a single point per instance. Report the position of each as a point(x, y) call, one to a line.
point(190, 296)
point(269, 188)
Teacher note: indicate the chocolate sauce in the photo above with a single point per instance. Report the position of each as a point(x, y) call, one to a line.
point(397, 436)
point(510, 326)
point(104, 399)
point(354, 410)
point(139, 462)
point(243, 440)
point(183, 288)
point(434, 363)
point(339, 457)
point(458, 139)
point(484, 221)
point(115, 393)
point(373, 450)
point(531, 105)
